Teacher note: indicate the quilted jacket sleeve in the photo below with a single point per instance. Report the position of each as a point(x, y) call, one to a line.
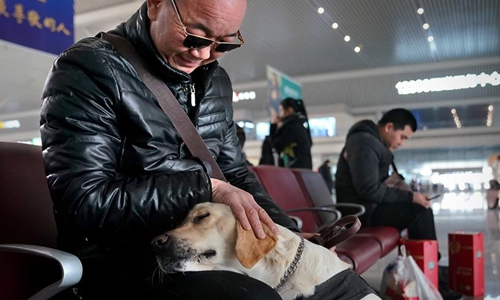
point(363, 159)
point(81, 137)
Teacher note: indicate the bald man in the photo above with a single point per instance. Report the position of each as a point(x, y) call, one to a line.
point(119, 173)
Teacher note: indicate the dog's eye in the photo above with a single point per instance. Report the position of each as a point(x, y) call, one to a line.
point(198, 218)
point(209, 253)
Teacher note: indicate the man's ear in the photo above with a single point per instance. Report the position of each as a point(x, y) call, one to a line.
point(249, 248)
point(388, 127)
point(153, 8)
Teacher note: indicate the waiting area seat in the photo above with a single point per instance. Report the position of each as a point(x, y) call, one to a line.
point(291, 188)
point(315, 188)
point(31, 267)
point(282, 186)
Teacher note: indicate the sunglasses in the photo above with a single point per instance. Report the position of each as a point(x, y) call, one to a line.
point(195, 41)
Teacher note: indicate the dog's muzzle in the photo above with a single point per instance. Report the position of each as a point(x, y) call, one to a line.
point(172, 253)
point(167, 253)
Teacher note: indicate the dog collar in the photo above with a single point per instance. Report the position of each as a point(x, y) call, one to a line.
point(293, 266)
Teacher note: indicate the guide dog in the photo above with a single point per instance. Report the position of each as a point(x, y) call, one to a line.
point(210, 238)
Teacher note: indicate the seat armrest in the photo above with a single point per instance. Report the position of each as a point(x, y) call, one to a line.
point(338, 214)
point(297, 221)
point(71, 267)
point(361, 208)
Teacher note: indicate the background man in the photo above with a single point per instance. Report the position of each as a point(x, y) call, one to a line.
point(363, 168)
point(326, 171)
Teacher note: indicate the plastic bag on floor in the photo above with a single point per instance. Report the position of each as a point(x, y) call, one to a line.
point(404, 280)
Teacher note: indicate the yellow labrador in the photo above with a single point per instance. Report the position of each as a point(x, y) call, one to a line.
point(211, 239)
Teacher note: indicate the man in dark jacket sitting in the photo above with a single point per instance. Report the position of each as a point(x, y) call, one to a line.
point(363, 168)
point(118, 171)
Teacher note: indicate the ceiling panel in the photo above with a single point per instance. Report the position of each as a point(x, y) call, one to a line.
point(390, 32)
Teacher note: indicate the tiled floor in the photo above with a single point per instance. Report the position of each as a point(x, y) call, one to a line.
point(467, 212)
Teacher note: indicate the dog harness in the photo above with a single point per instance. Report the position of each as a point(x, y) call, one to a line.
point(293, 266)
point(346, 285)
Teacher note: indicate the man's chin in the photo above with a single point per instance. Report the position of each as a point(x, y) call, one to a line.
point(183, 65)
point(187, 70)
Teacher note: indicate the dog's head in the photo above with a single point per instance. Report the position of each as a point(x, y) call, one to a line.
point(209, 237)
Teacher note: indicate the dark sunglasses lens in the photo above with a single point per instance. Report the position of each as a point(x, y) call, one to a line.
point(196, 42)
point(226, 47)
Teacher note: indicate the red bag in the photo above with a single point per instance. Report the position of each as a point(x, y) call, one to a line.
point(425, 253)
point(466, 262)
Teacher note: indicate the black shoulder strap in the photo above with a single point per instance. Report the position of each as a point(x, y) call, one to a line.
point(167, 101)
point(394, 169)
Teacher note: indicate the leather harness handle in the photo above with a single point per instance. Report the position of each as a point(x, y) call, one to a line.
point(339, 231)
point(167, 102)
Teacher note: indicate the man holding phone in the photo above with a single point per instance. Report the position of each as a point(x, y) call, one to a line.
point(434, 197)
point(362, 171)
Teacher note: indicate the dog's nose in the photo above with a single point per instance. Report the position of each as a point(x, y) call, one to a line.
point(159, 241)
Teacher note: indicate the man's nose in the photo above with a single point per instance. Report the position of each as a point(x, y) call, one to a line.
point(202, 53)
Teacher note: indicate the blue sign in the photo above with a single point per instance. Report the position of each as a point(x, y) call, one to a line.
point(280, 86)
point(46, 25)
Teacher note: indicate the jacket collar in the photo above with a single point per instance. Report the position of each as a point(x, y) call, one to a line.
point(136, 29)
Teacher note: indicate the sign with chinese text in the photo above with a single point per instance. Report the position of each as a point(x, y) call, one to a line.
point(45, 25)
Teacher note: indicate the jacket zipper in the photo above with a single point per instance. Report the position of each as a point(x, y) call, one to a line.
point(193, 94)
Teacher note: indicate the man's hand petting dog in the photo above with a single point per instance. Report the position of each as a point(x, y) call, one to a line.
point(243, 206)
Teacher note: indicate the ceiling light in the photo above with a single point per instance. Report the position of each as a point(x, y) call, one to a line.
point(425, 26)
point(321, 10)
point(456, 119)
point(489, 117)
point(335, 25)
point(357, 49)
point(430, 39)
point(420, 11)
point(347, 38)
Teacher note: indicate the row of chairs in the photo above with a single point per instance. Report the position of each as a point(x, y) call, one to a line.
point(32, 267)
point(304, 195)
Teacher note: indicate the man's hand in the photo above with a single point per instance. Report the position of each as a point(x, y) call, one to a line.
point(422, 200)
point(274, 118)
point(244, 207)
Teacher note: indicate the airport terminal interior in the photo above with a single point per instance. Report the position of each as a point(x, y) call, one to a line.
point(348, 60)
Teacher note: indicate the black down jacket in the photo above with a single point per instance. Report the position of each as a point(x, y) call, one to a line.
point(118, 172)
point(362, 168)
point(292, 142)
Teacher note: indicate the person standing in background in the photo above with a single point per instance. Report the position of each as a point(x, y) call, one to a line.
point(326, 171)
point(242, 137)
point(289, 137)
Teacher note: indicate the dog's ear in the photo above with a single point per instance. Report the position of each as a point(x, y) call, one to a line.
point(249, 248)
